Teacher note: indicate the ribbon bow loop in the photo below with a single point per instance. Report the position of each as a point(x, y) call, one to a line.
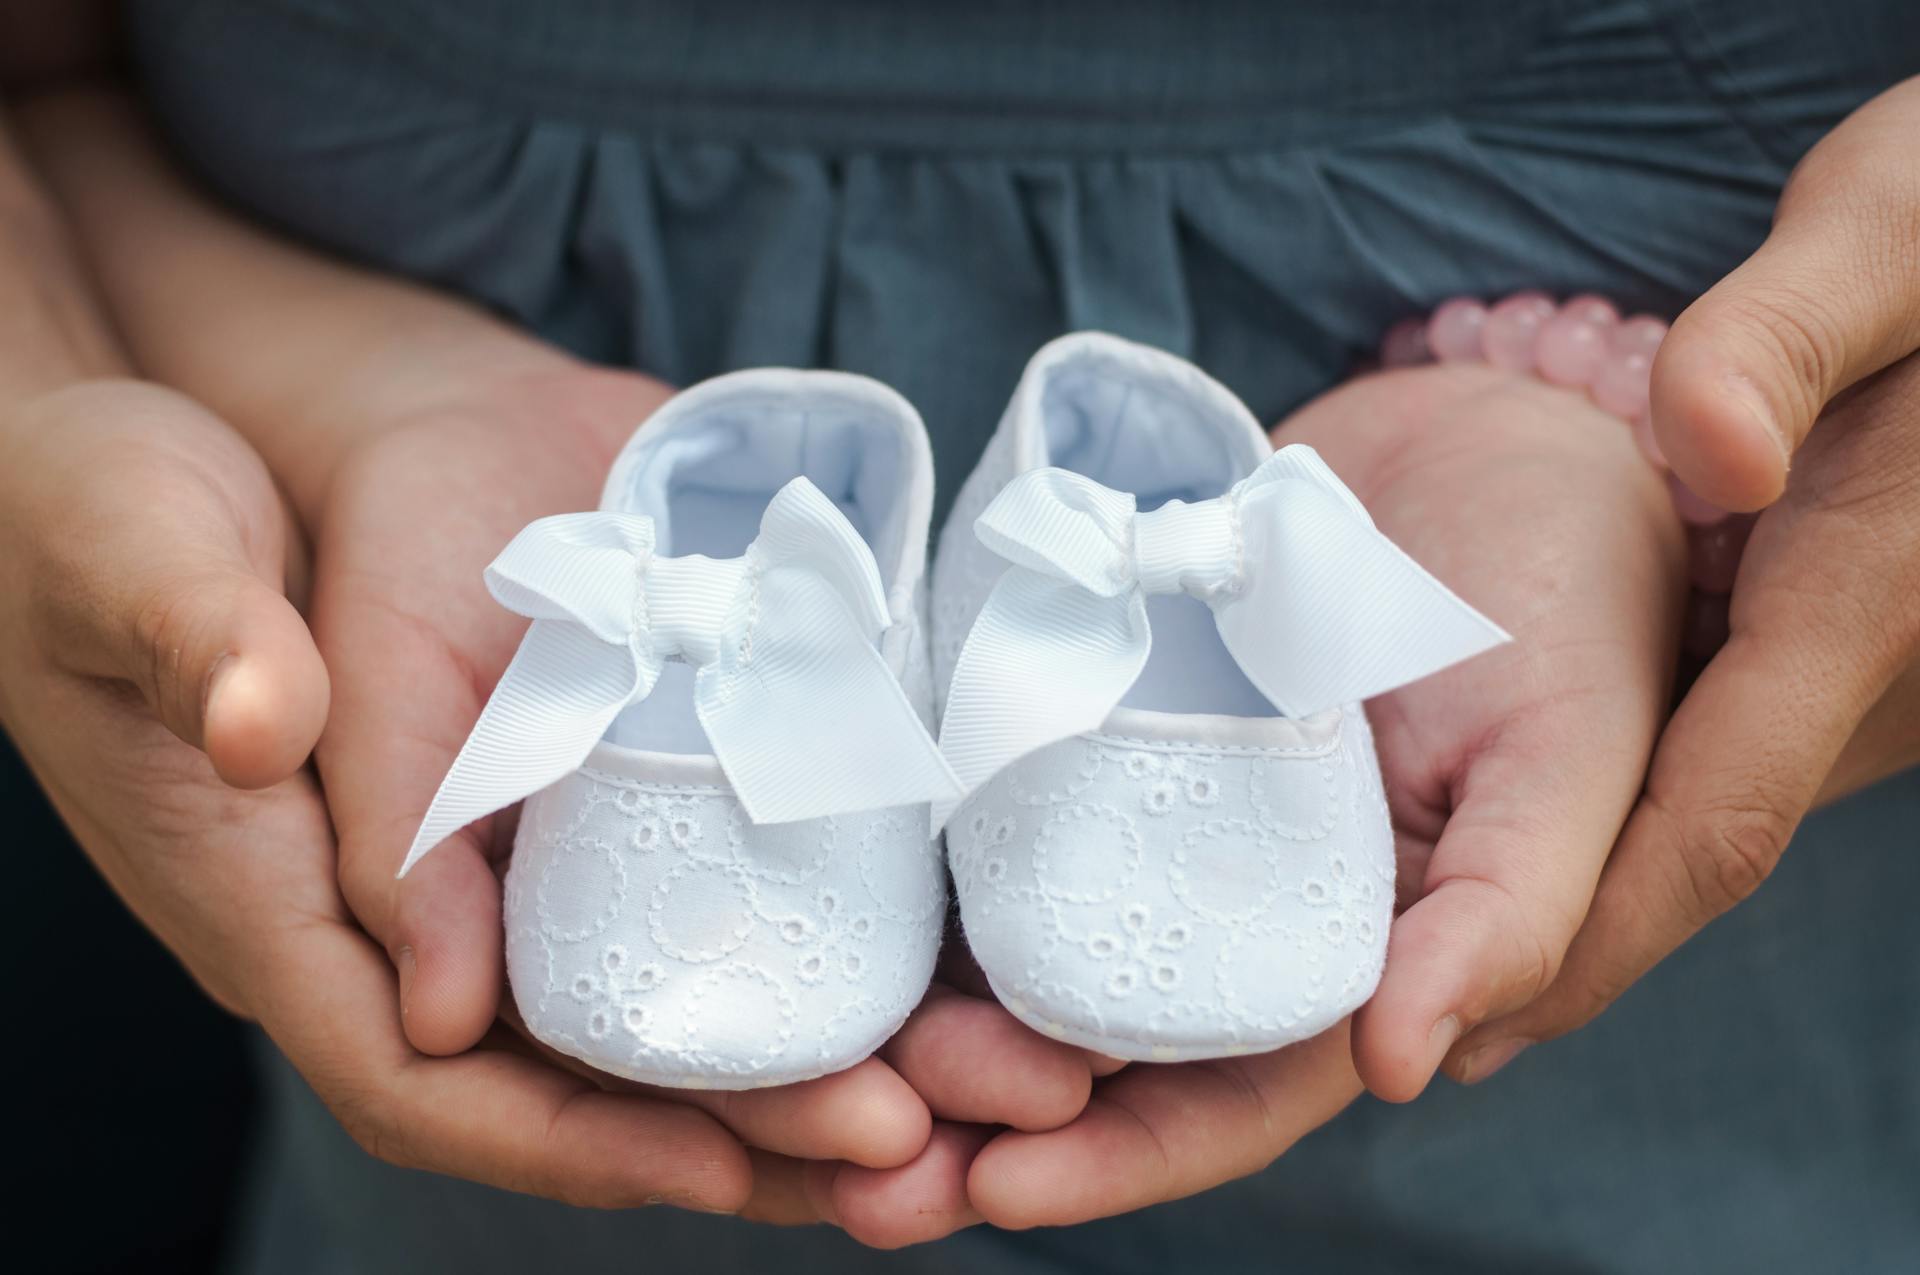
point(1311, 601)
point(800, 708)
point(603, 557)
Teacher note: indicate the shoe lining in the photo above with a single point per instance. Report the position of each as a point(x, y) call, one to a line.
point(1126, 429)
point(706, 484)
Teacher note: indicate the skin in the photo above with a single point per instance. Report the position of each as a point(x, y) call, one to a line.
point(146, 560)
point(174, 626)
point(383, 403)
point(1793, 384)
point(1540, 743)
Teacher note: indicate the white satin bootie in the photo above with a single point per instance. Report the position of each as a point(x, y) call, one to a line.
point(719, 720)
point(1153, 633)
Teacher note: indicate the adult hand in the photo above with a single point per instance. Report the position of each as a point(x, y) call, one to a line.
point(1508, 776)
point(415, 644)
point(143, 563)
point(1805, 353)
point(415, 436)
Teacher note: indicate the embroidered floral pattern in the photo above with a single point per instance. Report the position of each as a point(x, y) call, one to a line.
point(1172, 896)
point(1261, 880)
point(615, 993)
point(656, 933)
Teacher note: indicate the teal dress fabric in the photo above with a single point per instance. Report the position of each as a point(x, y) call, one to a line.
point(925, 192)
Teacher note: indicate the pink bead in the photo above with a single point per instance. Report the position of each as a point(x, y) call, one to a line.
point(1642, 334)
point(1620, 384)
point(1513, 328)
point(1649, 445)
point(1596, 310)
point(1713, 553)
point(1692, 509)
point(1570, 349)
point(1405, 344)
point(1454, 333)
point(1706, 625)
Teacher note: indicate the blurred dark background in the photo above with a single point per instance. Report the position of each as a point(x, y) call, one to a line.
point(130, 1137)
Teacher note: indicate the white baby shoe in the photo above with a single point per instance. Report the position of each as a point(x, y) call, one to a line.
point(723, 876)
point(1175, 843)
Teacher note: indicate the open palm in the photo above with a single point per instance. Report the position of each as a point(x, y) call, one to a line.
point(414, 644)
point(1509, 776)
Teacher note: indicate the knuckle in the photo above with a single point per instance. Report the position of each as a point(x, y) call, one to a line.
point(1533, 956)
point(170, 625)
point(1537, 965)
point(1792, 319)
point(1861, 179)
point(1731, 853)
point(369, 1121)
point(1586, 998)
point(1533, 959)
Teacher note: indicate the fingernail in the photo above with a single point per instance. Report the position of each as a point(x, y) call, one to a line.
point(1748, 395)
point(1440, 1039)
point(405, 962)
point(1486, 1060)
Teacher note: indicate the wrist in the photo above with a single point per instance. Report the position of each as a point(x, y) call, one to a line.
point(1584, 346)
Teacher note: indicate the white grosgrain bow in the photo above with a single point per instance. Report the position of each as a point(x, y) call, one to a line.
point(1314, 604)
point(801, 709)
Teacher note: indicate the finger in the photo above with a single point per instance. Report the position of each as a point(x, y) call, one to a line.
point(492, 1116)
point(1828, 299)
point(780, 1196)
point(913, 1204)
point(1534, 816)
point(404, 699)
point(167, 573)
point(958, 971)
point(1825, 621)
point(974, 1062)
point(1739, 765)
point(1156, 1133)
point(866, 1115)
point(1886, 743)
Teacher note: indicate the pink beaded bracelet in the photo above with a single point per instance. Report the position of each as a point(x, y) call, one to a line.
point(1584, 344)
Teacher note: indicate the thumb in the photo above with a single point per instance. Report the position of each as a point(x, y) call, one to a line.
point(1825, 621)
point(1831, 296)
point(1507, 884)
point(1738, 767)
point(162, 565)
point(225, 661)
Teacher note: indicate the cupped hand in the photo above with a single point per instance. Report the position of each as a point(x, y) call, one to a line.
point(415, 435)
point(144, 561)
point(1508, 776)
point(426, 497)
point(1794, 384)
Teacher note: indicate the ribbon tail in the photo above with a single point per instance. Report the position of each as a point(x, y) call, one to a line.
point(1338, 612)
point(1046, 660)
point(806, 718)
point(554, 702)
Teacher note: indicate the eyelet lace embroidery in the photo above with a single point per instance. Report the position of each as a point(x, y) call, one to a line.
point(1173, 894)
point(655, 933)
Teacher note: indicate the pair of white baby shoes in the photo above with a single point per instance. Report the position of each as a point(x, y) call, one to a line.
point(1151, 633)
